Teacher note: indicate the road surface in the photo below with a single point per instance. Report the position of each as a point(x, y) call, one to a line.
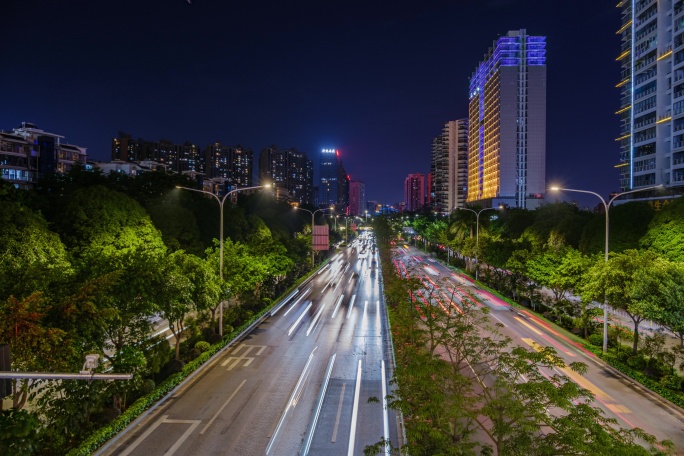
point(298, 384)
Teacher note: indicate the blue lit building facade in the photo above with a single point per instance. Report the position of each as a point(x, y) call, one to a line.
point(652, 87)
point(329, 170)
point(507, 124)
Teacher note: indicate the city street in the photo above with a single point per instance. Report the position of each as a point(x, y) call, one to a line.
point(618, 396)
point(298, 384)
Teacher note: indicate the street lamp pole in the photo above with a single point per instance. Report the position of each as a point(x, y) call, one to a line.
point(477, 229)
point(221, 201)
point(312, 228)
point(606, 207)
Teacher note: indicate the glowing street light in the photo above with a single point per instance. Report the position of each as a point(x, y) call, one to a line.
point(606, 207)
point(221, 201)
point(477, 229)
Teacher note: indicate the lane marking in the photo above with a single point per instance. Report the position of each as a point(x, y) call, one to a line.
point(295, 393)
point(339, 412)
point(306, 293)
point(160, 421)
point(337, 306)
point(296, 323)
point(355, 411)
point(247, 359)
point(285, 301)
point(222, 407)
point(185, 435)
point(315, 320)
point(385, 419)
point(351, 305)
point(321, 396)
point(529, 326)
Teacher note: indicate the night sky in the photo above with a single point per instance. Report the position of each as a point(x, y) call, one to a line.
point(375, 80)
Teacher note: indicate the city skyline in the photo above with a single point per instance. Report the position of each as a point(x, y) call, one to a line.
point(308, 77)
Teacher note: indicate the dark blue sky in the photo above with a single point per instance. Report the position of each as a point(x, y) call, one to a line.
point(375, 80)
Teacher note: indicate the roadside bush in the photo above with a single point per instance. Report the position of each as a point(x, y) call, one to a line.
point(192, 354)
point(637, 362)
point(202, 346)
point(596, 340)
point(673, 382)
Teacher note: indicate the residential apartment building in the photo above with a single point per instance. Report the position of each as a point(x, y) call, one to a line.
point(652, 87)
point(232, 165)
point(290, 172)
point(357, 198)
point(28, 154)
point(414, 192)
point(449, 167)
point(507, 118)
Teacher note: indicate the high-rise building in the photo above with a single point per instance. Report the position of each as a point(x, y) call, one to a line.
point(357, 198)
point(414, 192)
point(328, 190)
point(291, 173)
point(28, 154)
point(652, 86)
point(507, 114)
point(449, 167)
point(232, 165)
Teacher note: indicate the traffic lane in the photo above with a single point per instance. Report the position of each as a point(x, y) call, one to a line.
point(619, 398)
point(625, 395)
point(347, 418)
point(264, 347)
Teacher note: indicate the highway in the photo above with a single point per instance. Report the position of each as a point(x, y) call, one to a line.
point(618, 396)
point(298, 384)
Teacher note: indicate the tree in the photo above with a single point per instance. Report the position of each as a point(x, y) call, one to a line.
point(631, 281)
point(456, 374)
point(560, 269)
point(35, 347)
point(32, 258)
point(665, 234)
point(672, 314)
point(175, 293)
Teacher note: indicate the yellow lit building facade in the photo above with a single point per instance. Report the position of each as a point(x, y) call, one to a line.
point(507, 118)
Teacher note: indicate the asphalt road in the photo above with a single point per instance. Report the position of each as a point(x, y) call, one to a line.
point(618, 396)
point(298, 384)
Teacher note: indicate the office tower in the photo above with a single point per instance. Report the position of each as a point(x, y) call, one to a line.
point(449, 167)
point(414, 192)
point(357, 198)
point(328, 191)
point(652, 87)
point(290, 171)
point(507, 114)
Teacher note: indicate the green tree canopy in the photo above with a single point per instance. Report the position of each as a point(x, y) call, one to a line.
point(32, 258)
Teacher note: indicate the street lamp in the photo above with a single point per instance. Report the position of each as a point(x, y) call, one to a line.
point(477, 228)
point(312, 227)
point(606, 207)
point(221, 201)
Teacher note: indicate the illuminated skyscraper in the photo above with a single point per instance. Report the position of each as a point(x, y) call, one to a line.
point(329, 167)
point(652, 87)
point(414, 192)
point(357, 198)
point(449, 167)
point(507, 114)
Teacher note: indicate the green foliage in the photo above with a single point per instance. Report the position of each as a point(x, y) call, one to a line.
point(32, 258)
point(202, 346)
point(18, 433)
point(665, 234)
